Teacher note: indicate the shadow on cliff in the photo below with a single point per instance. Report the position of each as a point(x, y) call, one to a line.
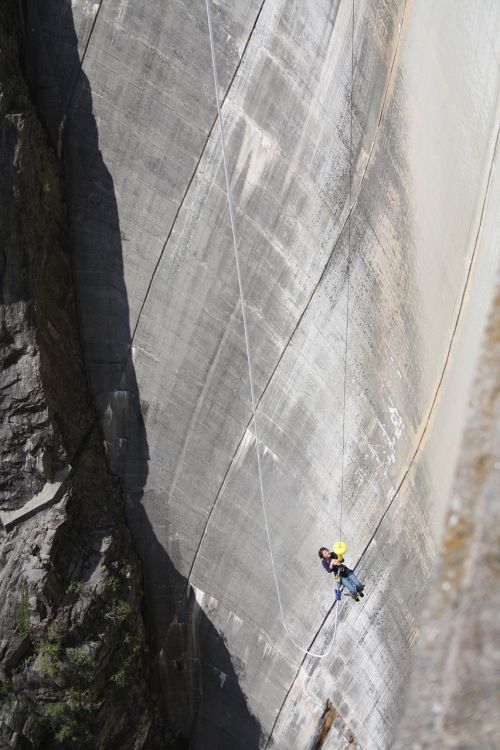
point(190, 696)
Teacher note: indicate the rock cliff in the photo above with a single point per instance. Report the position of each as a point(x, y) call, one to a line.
point(73, 664)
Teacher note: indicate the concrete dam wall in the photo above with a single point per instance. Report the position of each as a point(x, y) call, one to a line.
point(126, 92)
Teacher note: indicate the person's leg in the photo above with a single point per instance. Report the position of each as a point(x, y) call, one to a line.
point(355, 581)
point(351, 587)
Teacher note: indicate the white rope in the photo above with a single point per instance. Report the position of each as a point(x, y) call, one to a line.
point(348, 281)
point(249, 359)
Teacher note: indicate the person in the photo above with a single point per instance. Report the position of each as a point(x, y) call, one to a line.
point(332, 563)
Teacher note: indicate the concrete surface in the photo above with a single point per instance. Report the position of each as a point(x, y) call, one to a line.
point(455, 686)
point(161, 326)
point(47, 496)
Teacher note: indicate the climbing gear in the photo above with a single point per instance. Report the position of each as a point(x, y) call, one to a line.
point(247, 342)
point(338, 593)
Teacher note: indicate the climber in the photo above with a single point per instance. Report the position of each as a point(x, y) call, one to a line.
point(332, 563)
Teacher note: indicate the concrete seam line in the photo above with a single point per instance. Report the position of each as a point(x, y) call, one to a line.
point(395, 57)
point(188, 187)
point(75, 82)
point(313, 292)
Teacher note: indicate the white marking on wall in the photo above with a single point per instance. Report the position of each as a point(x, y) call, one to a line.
point(199, 596)
point(267, 451)
point(246, 445)
point(257, 151)
point(234, 622)
point(397, 421)
point(117, 22)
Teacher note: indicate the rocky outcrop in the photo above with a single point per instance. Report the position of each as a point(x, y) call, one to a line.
point(72, 649)
point(31, 214)
point(73, 656)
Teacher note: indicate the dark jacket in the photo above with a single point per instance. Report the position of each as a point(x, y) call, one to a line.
point(339, 570)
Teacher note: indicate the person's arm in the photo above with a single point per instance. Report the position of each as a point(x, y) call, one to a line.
point(333, 563)
point(326, 565)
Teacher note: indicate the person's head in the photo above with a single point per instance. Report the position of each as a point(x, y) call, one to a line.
point(323, 552)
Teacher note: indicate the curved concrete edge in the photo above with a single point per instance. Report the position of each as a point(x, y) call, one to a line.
point(452, 696)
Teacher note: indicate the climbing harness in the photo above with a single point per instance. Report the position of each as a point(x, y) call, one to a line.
point(247, 343)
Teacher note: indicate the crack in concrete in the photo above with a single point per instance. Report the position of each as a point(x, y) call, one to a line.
point(73, 89)
point(199, 401)
point(190, 181)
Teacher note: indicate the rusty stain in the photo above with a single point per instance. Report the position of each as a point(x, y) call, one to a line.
point(327, 718)
point(483, 465)
point(326, 722)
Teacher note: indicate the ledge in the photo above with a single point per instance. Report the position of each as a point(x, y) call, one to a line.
point(49, 495)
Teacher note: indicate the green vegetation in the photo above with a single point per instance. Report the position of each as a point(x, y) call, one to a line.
point(118, 611)
point(6, 695)
point(22, 612)
point(65, 732)
point(112, 585)
point(75, 587)
point(60, 723)
point(119, 678)
point(130, 652)
point(71, 672)
point(81, 656)
point(54, 711)
point(49, 661)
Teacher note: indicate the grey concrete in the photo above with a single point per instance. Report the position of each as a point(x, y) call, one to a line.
point(155, 279)
point(48, 495)
point(455, 687)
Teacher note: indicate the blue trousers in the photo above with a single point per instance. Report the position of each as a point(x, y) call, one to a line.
point(351, 583)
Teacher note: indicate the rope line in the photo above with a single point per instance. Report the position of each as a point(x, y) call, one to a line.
point(248, 352)
point(348, 279)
